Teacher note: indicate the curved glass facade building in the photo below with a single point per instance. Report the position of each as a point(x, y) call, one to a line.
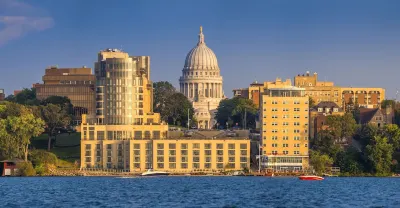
point(122, 88)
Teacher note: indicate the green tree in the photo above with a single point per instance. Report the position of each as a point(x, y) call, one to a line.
point(311, 102)
point(320, 161)
point(244, 108)
point(27, 97)
point(349, 161)
point(365, 134)
point(25, 169)
point(224, 112)
point(162, 91)
point(325, 143)
point(62, 101)
point(234, 110)
point(342, 127)
point(392, 132)
point(380, 155)
point(38, 157)
point(55, 117)
point(18, 125)
point(176, 109)
point(388, 103)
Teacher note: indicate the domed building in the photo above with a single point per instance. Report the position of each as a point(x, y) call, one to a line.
point(201, 82)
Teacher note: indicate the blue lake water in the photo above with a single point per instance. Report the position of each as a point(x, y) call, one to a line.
point(198, 192)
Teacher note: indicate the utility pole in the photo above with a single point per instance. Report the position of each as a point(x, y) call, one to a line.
point(188, 120)
point(259, 158)
point(245, 117)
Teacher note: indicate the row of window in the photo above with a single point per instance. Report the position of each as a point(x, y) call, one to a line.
point(285, 124)
point(197, 146)
point(287, 131)
point(197, 165)
point(285, 116)
point(294, 109)
point(296, 138)
point(285, 152)
point(287, 145)
point(119, 135)
point(201, 73)
point(296, 102)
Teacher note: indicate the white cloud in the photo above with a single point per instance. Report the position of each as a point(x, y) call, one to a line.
point(19, 19)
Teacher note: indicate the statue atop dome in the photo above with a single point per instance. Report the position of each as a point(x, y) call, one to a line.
point(201, 37)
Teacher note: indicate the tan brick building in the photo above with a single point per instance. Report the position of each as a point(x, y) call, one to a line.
point(284, 127)
point(78, 84)
point(321, 91)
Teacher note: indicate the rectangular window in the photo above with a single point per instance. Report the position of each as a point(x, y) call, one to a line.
point(160, 165)
point(220, 146)
point(172, 165)
point(231, 146)
point(184, 165)
point(172, 146)
point(196, 165)
point(160, 146)
point(138, 134)
point(100, 135)
point(184, 146)
point(243, 146)
point(207, 146)
point(207, 165)
point(196, 146)
point(136, 146)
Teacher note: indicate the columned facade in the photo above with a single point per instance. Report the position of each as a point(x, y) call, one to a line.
point(201, 82)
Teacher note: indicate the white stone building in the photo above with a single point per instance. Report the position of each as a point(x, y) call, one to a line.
point(201, 82)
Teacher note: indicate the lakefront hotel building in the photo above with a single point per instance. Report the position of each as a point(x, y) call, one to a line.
point(284, 127)
point(126, 134)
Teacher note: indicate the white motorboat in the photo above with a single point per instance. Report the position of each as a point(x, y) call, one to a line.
point(151, 172)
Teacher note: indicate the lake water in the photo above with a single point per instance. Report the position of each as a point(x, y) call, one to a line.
point(198, 192)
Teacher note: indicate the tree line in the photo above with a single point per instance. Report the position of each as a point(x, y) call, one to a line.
point(371, 150)
point(31, 118)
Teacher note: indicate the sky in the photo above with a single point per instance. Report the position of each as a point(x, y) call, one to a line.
point(352, 43)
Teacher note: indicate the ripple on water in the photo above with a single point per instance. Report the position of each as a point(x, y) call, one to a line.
point(198, 192)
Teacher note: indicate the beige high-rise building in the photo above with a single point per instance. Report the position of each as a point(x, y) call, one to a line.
point(127, 135)
point(284, 126)
point(124, 111)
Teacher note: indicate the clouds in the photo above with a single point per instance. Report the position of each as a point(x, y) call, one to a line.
point(18, 19)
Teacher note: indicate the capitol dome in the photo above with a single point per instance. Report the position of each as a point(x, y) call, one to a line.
point(201, 56)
